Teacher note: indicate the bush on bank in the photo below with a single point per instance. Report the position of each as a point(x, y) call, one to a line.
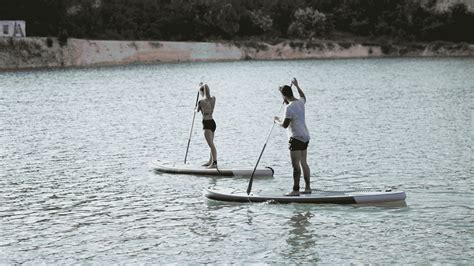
point(207, 20)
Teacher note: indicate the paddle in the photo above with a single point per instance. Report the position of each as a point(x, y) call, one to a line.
point(192, 125)
point(249, 188)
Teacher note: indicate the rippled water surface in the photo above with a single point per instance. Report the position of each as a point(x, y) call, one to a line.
point(75, 186)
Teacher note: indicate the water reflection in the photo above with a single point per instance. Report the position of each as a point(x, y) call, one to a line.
point(84, 136)
point(391, 204)
point(301, 239)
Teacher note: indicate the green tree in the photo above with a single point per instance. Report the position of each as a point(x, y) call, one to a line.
point(308, 23)
point(458, 19)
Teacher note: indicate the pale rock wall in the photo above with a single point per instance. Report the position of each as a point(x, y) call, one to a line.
point(85, 52)
point(286, 51)
point(25, 53)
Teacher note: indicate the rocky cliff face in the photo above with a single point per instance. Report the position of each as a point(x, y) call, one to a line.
point(25, 53)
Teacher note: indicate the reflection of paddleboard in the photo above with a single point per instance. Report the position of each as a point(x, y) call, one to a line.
point(177, 168)
point(318, 197)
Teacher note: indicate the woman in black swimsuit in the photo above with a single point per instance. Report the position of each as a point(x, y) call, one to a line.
point(206, 106)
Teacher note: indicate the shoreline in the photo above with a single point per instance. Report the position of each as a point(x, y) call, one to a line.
point(32, 53)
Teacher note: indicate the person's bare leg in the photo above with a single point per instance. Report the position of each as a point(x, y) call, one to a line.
point(295, 163)
point(306, 171)
point(210, 141)
point(209, 162)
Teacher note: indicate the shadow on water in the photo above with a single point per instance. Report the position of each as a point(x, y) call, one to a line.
point(392, 204)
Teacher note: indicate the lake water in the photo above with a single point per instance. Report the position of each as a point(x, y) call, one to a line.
point(75, 186)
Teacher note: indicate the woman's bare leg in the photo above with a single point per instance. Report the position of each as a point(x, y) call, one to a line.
point(209, 135)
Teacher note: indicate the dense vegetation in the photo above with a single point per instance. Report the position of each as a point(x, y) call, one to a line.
point(407, 20)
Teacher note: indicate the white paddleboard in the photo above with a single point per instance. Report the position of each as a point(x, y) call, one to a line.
point(316, 197)
point(181, 168)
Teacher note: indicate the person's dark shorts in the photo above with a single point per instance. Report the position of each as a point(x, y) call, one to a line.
point(297, 145)
point(209, 124)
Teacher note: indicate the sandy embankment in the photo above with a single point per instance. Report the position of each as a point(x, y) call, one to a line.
point(23, 53)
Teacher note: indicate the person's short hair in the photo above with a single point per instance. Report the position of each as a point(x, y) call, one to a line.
point(286, 91)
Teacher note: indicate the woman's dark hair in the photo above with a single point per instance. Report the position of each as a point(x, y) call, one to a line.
point(286, 91)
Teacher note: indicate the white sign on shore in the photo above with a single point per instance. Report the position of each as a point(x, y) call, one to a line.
point(12, 28)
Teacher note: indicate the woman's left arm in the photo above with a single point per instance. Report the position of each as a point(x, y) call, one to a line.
point(198, 108)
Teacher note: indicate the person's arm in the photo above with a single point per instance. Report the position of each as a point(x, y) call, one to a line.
point(300, 91)
point(286, 120)
point(198, 108)
point(284, 124)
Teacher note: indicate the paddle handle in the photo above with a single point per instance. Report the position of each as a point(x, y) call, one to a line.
point(191, 131)
point(249, 188)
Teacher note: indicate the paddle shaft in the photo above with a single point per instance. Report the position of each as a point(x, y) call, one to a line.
point(192, 125)
point(249, 188)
